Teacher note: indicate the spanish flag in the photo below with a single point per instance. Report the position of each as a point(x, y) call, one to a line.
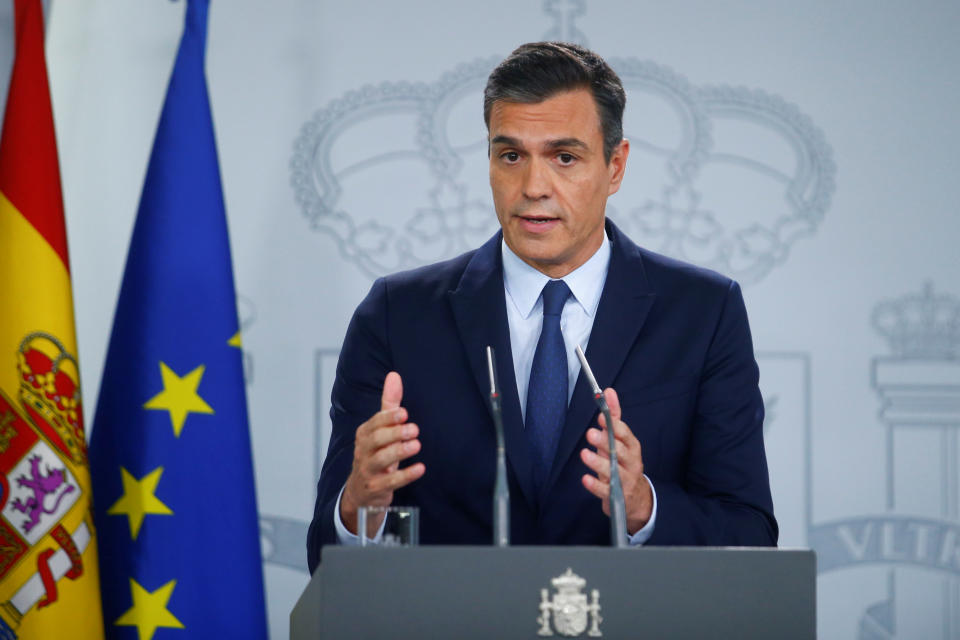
point(49, 584)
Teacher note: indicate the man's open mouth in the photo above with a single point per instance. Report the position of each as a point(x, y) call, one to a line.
point(538, 220)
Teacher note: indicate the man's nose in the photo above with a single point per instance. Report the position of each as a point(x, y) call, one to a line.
point(537, 180)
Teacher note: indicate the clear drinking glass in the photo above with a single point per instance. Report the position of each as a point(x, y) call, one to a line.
point(401, 526)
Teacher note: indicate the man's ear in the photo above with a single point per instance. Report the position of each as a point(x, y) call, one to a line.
point(618, 165)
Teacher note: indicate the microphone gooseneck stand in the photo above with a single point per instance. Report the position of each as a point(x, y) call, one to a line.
point(618, 510)
point(501, 494)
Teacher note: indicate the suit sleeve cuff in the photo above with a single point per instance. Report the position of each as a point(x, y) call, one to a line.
point(637, 539)
point(348, 539)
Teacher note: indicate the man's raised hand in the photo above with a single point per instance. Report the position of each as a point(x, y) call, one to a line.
point(637, 493)
point(381, 443)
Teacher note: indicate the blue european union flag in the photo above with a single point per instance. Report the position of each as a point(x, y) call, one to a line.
point(170, 455)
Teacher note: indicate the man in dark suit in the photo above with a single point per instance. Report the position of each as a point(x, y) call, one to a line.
point(411, 420)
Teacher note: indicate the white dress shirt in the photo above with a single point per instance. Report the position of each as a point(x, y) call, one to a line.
point(522, 286)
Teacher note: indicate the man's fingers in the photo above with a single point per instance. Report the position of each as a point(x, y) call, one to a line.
point(392, 391)
point(389, 482)
point(599, 464)
point(390, 455)
point(620, 429)
point(613, 401)
point(388, 435)
point(597, 487)
point(379, 420)
point(598, 439)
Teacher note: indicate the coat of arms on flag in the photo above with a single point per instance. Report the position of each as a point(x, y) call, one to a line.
point(44, 524)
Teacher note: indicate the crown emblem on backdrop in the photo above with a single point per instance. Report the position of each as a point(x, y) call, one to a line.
point(697, 152)
point(50, 392)
point(921, 325)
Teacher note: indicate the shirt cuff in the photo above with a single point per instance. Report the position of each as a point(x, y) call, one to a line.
point(348, 539)
point(636, 539)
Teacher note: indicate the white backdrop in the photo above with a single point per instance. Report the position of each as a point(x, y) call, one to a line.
point(807, 149)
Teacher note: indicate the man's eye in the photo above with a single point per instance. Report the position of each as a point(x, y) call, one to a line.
point(510, 156)
point(566, 158)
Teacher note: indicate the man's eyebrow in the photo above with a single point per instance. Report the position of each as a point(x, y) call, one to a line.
point(506, 140)
point(567, 143)
point(560, 143)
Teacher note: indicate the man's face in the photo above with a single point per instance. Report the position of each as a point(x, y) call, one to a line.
point(550, 180)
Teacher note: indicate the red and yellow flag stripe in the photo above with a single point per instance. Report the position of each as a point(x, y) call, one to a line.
point(49, 585)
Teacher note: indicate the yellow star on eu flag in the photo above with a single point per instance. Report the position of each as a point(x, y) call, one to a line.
point(149, 610)
point(138, 499)
point(236, 341)
point(179, 396)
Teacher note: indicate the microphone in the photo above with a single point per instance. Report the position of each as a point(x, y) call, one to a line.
point(618, 509)
point(501, 494)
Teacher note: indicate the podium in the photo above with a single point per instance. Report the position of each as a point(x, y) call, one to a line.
point(535, 592)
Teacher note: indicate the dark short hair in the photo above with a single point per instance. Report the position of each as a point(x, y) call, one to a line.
point(537, 71)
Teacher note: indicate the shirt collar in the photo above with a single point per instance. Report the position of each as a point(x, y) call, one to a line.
point(523, 283)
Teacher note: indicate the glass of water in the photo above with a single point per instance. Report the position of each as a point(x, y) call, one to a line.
point(401, 526)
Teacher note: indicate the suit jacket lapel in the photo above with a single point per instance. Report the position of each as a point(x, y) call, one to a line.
point(624, 304)
point(479, 309)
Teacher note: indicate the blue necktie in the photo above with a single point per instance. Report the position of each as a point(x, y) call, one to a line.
point(547, 391)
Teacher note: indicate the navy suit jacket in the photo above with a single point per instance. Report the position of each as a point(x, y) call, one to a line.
point(671, 338)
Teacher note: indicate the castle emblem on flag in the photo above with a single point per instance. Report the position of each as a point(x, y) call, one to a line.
point(569, 608)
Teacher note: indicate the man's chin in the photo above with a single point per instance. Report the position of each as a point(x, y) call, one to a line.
point(540, 255)
point(541, 246)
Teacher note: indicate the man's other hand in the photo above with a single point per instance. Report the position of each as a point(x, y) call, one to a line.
point(381, 443)
point(637, 493)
